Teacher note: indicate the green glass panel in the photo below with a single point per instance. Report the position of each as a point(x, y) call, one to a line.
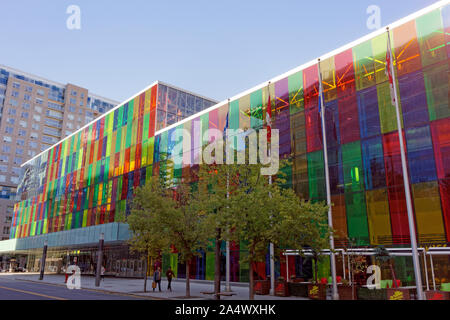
point(388, 117)
point(129, 134)
point(210, 263)
point(364, 65)
point(357, 217)
point(430, 34)
point(352, 167)
point(205, 126)
point(256, 109)
point(379, 47)
point(436, 85)
point(296, 98)
point(118, 140)
point(316, 176)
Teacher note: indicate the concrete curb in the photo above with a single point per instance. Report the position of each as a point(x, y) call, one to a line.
point(100, 290)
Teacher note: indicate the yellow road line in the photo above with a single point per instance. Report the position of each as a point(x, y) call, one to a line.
point(33, 293)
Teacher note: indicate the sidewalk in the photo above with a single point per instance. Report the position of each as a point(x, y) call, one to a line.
point(136, 287)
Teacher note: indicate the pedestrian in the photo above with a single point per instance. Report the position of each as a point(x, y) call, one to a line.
point(157, 279)
point(169, 275)
point(102, 273)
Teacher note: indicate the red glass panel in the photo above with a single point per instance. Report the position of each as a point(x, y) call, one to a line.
point(345, 73)
point(440, 131)
point(444, 189)
point(348, 119)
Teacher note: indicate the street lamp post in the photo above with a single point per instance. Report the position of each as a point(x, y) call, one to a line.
point(99, 260)
point(44, 257)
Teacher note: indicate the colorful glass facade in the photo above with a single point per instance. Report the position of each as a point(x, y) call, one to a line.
point(88, 178)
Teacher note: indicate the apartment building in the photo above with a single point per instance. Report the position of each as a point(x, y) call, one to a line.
point(36, 113)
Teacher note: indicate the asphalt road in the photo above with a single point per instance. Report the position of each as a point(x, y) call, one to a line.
point(11, 289)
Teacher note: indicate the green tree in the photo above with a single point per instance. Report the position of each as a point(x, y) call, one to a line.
point(185, 225)
point(147, 238)
point(260, 213)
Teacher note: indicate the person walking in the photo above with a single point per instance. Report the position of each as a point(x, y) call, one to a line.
point(169, 275)
point(157, 279)
point(102, 273)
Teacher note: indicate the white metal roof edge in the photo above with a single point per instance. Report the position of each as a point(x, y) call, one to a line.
point(399, 22)
point(87, 125)
point(112, 110)
point(369, 36)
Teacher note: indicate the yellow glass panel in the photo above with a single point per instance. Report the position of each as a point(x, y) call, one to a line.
point(427, 204)
point(328, 79)
point(378, 217)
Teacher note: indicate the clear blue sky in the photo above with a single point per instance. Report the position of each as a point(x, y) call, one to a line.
point(215, 48)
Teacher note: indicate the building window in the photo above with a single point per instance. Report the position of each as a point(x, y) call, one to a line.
point(18, 160)
point(6, 149)
point(72, 109)
point(74, 93)
point(34, 135)
point(3, 168)
point(35, 126)
point(6, 230)
point(13, 102)
point(9, 130)
point(16, 85)
point(24, 115)
point(7, 139)
point(40, 92)
point(19, 151)
point(31, 153)
point(38, 109)
point(14, 179)
point(27, 97)
point(29, 89)
point(2, 178)
point(26, 106)
point(12, 112)
point(73, 101)
point(15, 94)
point(36, 117)
point(4, 158)
point(20, 142)
point(22, 133)
point(23, 124)
point(39, 101)
point(33, 144)
point(11, 120)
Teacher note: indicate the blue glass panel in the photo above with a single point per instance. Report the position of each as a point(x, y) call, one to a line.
point(420, 155)
point(413, 99)
point(373, 162)
point(369, 118)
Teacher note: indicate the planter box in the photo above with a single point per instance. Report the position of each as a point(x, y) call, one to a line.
point(317, 291)
point(262, 287)
point(281, 289)
point(437, 295)
point(398, 294)
point(347, 292)
point(371, 294)
point(298, 289)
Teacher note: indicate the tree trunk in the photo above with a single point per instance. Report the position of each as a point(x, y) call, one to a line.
point(217, 263)
point(146, 271)
point(188, 283)
point(251, 293)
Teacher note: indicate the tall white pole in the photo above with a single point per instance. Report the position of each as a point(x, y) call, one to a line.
point(412, 228)
point(327, 182)
point(271, 247)
point(227, 263)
